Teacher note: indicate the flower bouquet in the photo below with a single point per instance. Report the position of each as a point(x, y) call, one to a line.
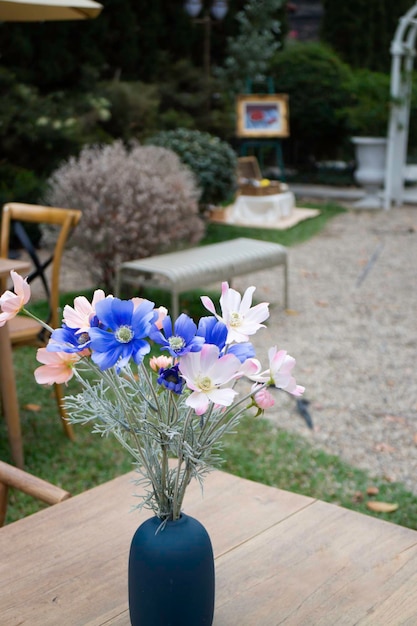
point(182, 402)
point(169, 411)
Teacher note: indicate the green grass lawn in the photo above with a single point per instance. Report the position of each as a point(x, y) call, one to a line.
point(259, 450)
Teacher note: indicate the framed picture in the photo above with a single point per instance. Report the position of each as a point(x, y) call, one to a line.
point(261, 115)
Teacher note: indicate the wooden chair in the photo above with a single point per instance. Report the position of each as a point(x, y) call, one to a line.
point(22, 329)
point(11, 476)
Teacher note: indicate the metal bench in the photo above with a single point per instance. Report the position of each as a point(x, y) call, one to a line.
point(189, 269)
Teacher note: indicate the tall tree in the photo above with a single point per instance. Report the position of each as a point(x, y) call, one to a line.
point(251, 50)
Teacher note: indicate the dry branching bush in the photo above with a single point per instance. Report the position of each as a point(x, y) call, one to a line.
point(136, 202)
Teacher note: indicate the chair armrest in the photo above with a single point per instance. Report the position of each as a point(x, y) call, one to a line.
point(32, 485)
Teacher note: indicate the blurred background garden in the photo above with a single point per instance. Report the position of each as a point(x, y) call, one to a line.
point(142, 69)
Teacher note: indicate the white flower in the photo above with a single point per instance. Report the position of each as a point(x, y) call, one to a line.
point(241, 318)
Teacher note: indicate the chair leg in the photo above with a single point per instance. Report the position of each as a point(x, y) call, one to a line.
point(3, 502)
point(65, 423)
point(9, 399)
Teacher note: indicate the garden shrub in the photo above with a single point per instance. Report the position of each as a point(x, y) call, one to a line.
point(371, 104)
point(317, 83)
point(136, 202)
point(134, 109)
point(369, 108)
point(212, 160)
point(38, 130)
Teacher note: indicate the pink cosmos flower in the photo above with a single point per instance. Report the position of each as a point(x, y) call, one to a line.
point(57, 368)
point(160, 362)
point(263, 398)
point(11, 303)
point(279, 372)
point(241, 318)
point(204, 372)
point(83, 311)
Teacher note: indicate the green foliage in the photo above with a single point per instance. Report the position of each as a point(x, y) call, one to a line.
point(131, 39)
point(134, 108)
point(213, 161)
point(369, 110)
point(19, 185)
point(318, 86)
point(361, 31)
point(37, 131)
point(249, 53)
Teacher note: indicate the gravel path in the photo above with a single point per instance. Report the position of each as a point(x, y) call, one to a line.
point(352, 327)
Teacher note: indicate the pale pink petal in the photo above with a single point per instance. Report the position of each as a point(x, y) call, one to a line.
point(198, 401)
point(208, 304)
point(229, 301)
point(162, 313)
point(251, 367)
point(264, 399)
point(204, 372)
point(225, 369)
point(11, 303)
point(262, 377)
point(281, 365)
point(79, 316)
point(189, 366)
point(208, 356)
point(48, 375)
point(223, 397)
point(294, 389)
point(158, 362)
point(83, 311)
point(98, 296)
point(57, 368)
point(257, 314)
point(247, 300)
point(21, 286)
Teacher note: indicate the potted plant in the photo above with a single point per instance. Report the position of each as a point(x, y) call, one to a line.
point(367, 117)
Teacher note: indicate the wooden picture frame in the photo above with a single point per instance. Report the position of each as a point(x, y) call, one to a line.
point(261, 115)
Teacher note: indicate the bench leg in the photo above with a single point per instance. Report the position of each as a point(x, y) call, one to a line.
point(175, 306)
point(117, 283)
point(286, 287)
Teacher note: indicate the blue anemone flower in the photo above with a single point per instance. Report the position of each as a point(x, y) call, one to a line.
point(213, 331)
point(242, 351)
point(171, 379)
point(181, 340)
point(122, 331)
point(67, 340)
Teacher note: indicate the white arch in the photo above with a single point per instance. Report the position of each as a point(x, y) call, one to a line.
point(403, 53)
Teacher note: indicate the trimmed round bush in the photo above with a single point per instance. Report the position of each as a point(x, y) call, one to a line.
point(136, 202)
point(212, 160)
point(318, 85)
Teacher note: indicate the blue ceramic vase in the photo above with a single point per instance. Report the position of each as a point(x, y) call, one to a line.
point(171, 574)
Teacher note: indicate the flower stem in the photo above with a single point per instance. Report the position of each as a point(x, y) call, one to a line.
point(41, 322)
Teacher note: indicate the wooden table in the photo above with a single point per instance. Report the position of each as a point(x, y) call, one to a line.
point(281, 558)
point(7, 377)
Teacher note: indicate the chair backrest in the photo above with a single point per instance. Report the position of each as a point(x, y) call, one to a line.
point(16, 213)
point(34, 486)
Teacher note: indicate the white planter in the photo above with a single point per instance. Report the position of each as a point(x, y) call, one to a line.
point(370, 170)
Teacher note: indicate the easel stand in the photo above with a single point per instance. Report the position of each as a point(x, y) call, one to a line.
point(258, 147)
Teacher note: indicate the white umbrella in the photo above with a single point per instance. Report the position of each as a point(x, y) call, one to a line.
point(48, 10)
